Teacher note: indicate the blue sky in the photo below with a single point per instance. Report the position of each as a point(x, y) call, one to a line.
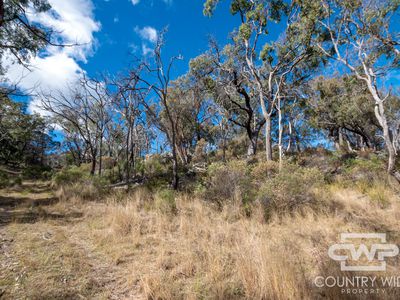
point(112, 32)
point(122, 21)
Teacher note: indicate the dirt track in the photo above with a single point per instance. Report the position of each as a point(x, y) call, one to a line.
point(44, 253)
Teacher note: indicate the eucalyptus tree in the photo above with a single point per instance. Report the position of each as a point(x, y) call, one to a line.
point(72, 142)
point(129, 121)
point(267, 65)
point(154, 87)
point(222, 72)
point(95, 93)
point(24, 138)
point(20, 38)
point(341, 107)
point(192, 114)
point(84, 109)
point(362, 36)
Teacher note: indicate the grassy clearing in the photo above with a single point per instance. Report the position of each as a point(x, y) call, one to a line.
point(45, 251)
point(203, 253)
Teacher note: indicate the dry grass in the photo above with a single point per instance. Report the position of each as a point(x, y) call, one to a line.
point(131, 245)
point(203, 253)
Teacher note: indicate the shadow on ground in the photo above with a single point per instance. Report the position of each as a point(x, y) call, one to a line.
point(26, 204)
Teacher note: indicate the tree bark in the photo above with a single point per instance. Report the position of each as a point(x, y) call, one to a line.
point(93, 168)
point(268, 144)
point(128, 175)
point(253, 137)
point(380, 115)
point(175, 175)
point(280, 133)
point(100, 155)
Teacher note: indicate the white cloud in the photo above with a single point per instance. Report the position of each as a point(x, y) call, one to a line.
point(74, 23)
point(146, 50)
point(135, 2)
point(147, 33)
point(133, 48)
point(48, 74)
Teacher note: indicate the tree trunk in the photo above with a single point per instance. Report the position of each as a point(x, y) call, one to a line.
point(100, 155)
point(252, 149)
point(93, 168)
point(128, 171)
point(175, 176)
point(268, 145)
point(380, 114)
point(280, 134)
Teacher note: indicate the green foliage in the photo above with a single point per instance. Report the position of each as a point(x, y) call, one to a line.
point(4, 179)
point(37, 172)
point(363, 173)
point(209, 7)
point(165, 201)
point(290, 189)
point(155, 166)
point(24, 137)
point(70, 175)
point(267, 53)
point(245, 31)
point(343, 105)
point(17, 34)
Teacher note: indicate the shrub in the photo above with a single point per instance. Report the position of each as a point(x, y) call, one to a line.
point(363, 173)
point(165, 201)
point(69, 176)
point(36, 172)
point(77, 182)
point(367, 168)
point(155, 166)
point(290, 190)
point(85, 190)
point(264, 170)
point(4, 180)
point(228, 181)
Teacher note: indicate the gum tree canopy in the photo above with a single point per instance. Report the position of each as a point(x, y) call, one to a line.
point(19, 37)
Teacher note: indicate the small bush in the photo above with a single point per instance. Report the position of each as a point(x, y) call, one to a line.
point(69, 176)
point(228, 181)
point(264, 170)
point(36, 172)
point(85, 190)
point(4, 180)
point(290, 190)
point(165, 201)
point(155, 166)
point(359, 168)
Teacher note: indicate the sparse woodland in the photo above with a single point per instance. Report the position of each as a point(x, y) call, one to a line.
point(227, 182)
